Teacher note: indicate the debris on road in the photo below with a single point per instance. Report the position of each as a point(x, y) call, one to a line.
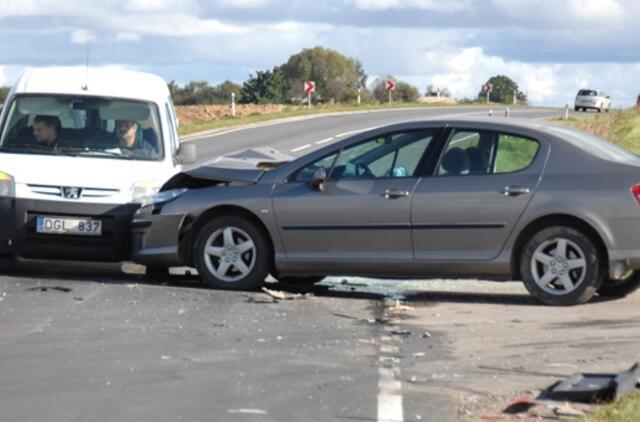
point(280, 295)
point(419, 354)
point(248, 411)
point(520, 405)
point(401, 332)
point(594, 388)
point(47, 288)
point(382, 320)
point(426, 334)
point(397, 307)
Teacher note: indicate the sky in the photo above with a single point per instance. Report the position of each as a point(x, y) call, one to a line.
point(551, 48)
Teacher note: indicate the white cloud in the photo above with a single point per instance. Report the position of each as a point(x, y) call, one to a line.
point(243, 4)
point(128, 37)
point(3, 77)
point(148, 5)
point(82, 36)
point(449, 5)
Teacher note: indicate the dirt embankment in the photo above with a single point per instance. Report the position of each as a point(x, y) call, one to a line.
point(199, 113)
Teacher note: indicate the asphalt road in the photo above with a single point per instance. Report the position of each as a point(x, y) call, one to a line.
point(298, 137)
point(89, 343)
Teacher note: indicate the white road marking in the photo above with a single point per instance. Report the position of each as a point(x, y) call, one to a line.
point(351, 132)
point(323, 141)
point(389, 386)
point(301, 148)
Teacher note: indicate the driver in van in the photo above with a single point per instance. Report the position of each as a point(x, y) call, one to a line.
point(46, 130)
point(130, 136)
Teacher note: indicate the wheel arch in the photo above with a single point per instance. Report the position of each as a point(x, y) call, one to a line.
point(556, 220)
point(192, 226)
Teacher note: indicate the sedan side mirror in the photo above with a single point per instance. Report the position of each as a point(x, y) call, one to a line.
point(319, 177)
point(186, 154)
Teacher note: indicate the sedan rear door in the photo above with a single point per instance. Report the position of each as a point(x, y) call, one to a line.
point(480, 188)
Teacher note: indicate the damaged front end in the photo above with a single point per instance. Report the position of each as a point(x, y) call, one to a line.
point(242, 167)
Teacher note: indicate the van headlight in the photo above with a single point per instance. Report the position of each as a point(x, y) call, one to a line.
point(7, 185)
point(163, 197)
point(144, 189)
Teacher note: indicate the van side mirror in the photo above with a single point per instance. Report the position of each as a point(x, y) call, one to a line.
point(186, 154)
point(319, 177)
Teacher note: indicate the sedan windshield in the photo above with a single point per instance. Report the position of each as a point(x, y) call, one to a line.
point(82, 126)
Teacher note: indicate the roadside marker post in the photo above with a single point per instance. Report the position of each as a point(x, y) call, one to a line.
point(566, 111)
point(515, 97)
point(309, 87)
point(488, 87)
point(390, 86)
point(358, 95)
point(507, 112)
point(233, 104)
point(490, 112)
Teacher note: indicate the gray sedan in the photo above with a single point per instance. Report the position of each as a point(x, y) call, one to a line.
point(497, 199)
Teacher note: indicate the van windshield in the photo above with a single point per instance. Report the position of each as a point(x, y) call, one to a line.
point(82, 126)
point(588, 93)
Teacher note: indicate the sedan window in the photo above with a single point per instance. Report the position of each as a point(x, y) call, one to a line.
point(484, 152)
point(389, 156)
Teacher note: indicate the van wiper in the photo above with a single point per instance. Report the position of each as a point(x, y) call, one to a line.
point(96, 152)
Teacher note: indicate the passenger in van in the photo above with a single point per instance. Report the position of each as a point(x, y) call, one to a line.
point(46, 130)
point(131, 136)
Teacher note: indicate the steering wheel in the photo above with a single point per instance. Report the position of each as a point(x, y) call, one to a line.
point(362, 170)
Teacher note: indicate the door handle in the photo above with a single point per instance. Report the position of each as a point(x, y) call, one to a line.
point(514, 191)
point(395, 193)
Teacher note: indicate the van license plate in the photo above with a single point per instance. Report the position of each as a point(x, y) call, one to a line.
point(69, 225)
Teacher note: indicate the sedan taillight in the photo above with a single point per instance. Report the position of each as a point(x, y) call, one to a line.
point(635, 191)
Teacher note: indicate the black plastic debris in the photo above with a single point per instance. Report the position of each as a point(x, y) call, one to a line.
point(47, 288)
point(401, 332)
point(595, 388)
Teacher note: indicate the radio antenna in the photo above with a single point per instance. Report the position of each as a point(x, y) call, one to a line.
point(86, 71)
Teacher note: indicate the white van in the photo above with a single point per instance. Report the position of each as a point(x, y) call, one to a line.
point(592, 98)
point(80, 149)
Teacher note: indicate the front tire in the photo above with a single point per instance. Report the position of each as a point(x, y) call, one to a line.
point(232, 253)
point(560, 266)
point(620, 288)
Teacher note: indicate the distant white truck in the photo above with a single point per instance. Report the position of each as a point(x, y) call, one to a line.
point(80, 150)
point(592, 99)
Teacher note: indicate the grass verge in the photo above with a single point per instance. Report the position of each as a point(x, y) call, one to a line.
point(619, 127)
point(194, 127)
point(625, 410)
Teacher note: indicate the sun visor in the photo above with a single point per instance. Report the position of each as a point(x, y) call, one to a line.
point(39, 105)
point(121, 110)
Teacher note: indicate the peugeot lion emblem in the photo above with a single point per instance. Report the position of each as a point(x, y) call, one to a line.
point(71, 193)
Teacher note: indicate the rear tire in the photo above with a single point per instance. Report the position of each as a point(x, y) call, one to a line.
point(620, 288)
point(560, 266)
point(232, 253)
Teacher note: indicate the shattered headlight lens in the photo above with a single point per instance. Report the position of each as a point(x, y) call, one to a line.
point(163, 197)
point(7, 185)
point(141, 191)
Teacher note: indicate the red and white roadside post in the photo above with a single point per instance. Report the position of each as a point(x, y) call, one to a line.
point(390, 86)
point(488, 87)
point(309, 87)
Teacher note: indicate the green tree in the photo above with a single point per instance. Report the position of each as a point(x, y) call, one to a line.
point(337, 77)
point(200, 92)
point(503, 89)
point(4, 92)
point(266, 86)
point(404, 91)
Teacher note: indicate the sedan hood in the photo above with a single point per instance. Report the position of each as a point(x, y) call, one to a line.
point(246, 166)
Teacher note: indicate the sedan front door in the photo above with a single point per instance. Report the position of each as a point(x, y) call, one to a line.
point(362, 212)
